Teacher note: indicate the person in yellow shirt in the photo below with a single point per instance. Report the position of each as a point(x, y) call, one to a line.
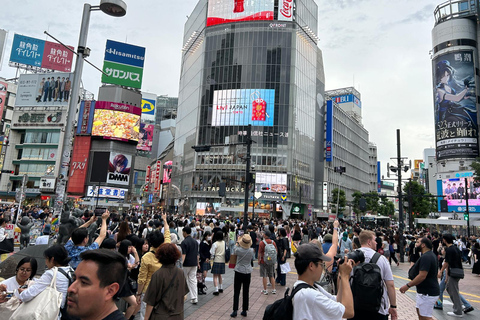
point(150, 263)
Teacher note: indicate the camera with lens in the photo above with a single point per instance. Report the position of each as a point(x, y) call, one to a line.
point(356, 256)
point(99, 211)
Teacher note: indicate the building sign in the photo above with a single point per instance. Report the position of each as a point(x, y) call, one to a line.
point(106, 192)
point(271, 182)
point(454, 192)
point(227, 11)
point(285, 10)
point(145, 137)
point(329, 132)
point(417, 164)
point(32, 119)
point(116, 121)
point(85, 117)
point(149, 102)
point(119, 168)
point(349, 98)
point(242, 107)
point(40, 53)
point(46, 89)
point(79, 165)
point(47, 184)
point(456, 127)
point(3, 41)
point(167, 171)
point(3, 92)
point(147, 179)
point(123, 64)
point(157, 175)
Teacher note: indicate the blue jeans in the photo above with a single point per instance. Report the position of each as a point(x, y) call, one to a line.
point(442, 288)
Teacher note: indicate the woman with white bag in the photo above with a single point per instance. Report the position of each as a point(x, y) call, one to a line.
point(56, 257)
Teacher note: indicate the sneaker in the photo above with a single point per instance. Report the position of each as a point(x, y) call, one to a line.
point(220, 290)
point(233, 314)
point(265, 292)
point(450, 313)
point(244, 313)
point(216, 293)
point(274, 291)
point(194, 301)
point(469, 309)
point(438, 306)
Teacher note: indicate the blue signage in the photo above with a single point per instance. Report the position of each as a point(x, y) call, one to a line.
point(150, 198)
point(27, 50)
point(329, 133)
point(148, 106)
point(379, 178)
point(124, 53)
point(347, 98)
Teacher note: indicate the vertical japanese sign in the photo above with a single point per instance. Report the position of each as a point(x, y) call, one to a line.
point(329, 133)
point(40, 53)
point(85, 117)
point(147, 179)
point(167, 170)
point(123, 64)
point(456, 127)
point(79, 165)
point(157, 175)
point(3, 96)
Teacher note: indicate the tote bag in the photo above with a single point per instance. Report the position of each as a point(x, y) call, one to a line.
point(45, 306)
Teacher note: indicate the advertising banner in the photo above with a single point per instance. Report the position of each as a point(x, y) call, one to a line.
point(79, 165)
point(329, 132)
point(167, 171)
point(242, 107)
point(157, 176)
point(3, 41)
point(226, 11)
point(206, 208)
point(85, 117)
point(149, 102)
point(271, 182)
point(119, 168)
point(106, 192)
point(145, 137)
point(456, 128)
point(454, 191)
point(40, 53)
point(116, 121)
point(349, 98)
point(123, 64)
point(3, 96)
point(147, 179)
point(41, 90)
point(285, 10)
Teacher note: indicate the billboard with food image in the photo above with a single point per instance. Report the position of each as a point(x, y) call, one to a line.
point(117, 121)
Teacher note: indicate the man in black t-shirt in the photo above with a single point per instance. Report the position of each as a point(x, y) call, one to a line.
point(190, 262)
point(425, 279)
point(453, 259)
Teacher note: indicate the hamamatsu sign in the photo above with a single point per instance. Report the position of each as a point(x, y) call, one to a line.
point(123, 64)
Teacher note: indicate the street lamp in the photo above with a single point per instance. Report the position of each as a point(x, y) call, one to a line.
point(115, 8)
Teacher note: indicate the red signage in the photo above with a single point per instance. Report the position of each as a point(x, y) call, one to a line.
point(157, 176)
point(147, 178)
point(79, 165)
point(57, 57)
point(3, 96)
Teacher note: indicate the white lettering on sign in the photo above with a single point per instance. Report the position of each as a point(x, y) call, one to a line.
point(286, 10)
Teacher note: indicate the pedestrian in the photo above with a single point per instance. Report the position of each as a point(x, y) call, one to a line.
point(190, 262)
point(312, 301)
point(282, 246)
point(204, 253)
point(266, 261)
point(345, 244)
point(388, 304)
point(243, 272)
point(98, 278)
point(217, 253)
point(476, 258)
point(391, 248)
point(423, 275)
point(129, 290)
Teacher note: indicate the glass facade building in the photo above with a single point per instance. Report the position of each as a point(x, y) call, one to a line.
point(268, 74)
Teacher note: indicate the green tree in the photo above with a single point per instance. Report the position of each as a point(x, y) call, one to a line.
point(387, 207)
point(421, 203)
point(342, 200)
point(372, 202)
point(476, 168)
point(357, 195)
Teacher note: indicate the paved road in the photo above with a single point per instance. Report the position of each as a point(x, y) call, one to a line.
point(220, 307)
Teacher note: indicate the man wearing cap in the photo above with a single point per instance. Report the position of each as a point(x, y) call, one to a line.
point(243, 271)
point(266, 270)
point(314, 302)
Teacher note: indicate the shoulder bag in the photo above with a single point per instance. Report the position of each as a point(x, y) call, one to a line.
point(45, 306)
point(457, 273)
point(164, 291)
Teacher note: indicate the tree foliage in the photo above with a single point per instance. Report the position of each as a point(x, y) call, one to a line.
point(418, 200)
point(476, 168)
point(342, 200)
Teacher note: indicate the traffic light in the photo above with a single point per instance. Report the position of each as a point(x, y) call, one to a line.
point(465, 216)
point(201, 148)
point(8, 171)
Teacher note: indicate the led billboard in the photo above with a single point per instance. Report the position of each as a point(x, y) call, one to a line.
point(119, 166)
point(226, 11)
point(3, 96)
point(47, 89)
point(167, 172)
point(145, 137)
point(117, 121)
point(206, 208)
point(271, 182)
point(456, 128)
point(242, 107)
point(454, 192)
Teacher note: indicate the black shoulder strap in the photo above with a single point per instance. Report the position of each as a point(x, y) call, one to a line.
point(299, 287)
point(164, 291)
point(375, 257)
point(65, 274)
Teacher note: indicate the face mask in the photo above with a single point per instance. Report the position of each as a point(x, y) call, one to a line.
point(209, 238)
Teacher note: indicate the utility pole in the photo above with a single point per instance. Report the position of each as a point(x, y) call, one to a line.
point(401, 224)
point(467, 212)
point(247, 178)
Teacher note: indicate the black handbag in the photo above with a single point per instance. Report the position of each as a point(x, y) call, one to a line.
point(6, 246)
point(457, 273)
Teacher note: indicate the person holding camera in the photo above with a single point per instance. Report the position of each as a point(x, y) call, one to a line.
point(79, 239)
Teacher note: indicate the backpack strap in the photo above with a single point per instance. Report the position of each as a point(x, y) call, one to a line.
point(375, 257)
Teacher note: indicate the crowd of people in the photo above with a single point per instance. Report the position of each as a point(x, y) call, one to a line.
point(157, 262)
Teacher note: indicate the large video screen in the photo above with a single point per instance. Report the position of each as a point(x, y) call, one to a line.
point(145, 137)
point(116, 121)
point(456, 129)
point(242, 107)
point(226, 11)
point(454, 191)
point(271, 182)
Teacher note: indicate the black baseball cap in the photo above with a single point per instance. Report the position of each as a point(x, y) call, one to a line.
point(310, 251)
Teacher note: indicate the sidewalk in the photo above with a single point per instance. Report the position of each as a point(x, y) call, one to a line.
point(220, 307)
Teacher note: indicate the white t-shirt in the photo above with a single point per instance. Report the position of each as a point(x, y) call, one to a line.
point(11, 284)
point(316, 304)
point(386, 276)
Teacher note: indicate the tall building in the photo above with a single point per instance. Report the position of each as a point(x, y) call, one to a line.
point(347, 145)
point(455, 72)
point(258, 64)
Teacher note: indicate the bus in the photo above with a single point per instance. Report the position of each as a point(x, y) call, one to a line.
point(373, 222)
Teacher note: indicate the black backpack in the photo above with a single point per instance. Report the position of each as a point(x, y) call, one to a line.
point(282, 309)
point(63, 309)
point(367, 285)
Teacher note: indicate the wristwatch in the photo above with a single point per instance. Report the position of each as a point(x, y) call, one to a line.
point(393, 307)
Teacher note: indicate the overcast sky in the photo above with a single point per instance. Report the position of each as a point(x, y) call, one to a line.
point(381, 47)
